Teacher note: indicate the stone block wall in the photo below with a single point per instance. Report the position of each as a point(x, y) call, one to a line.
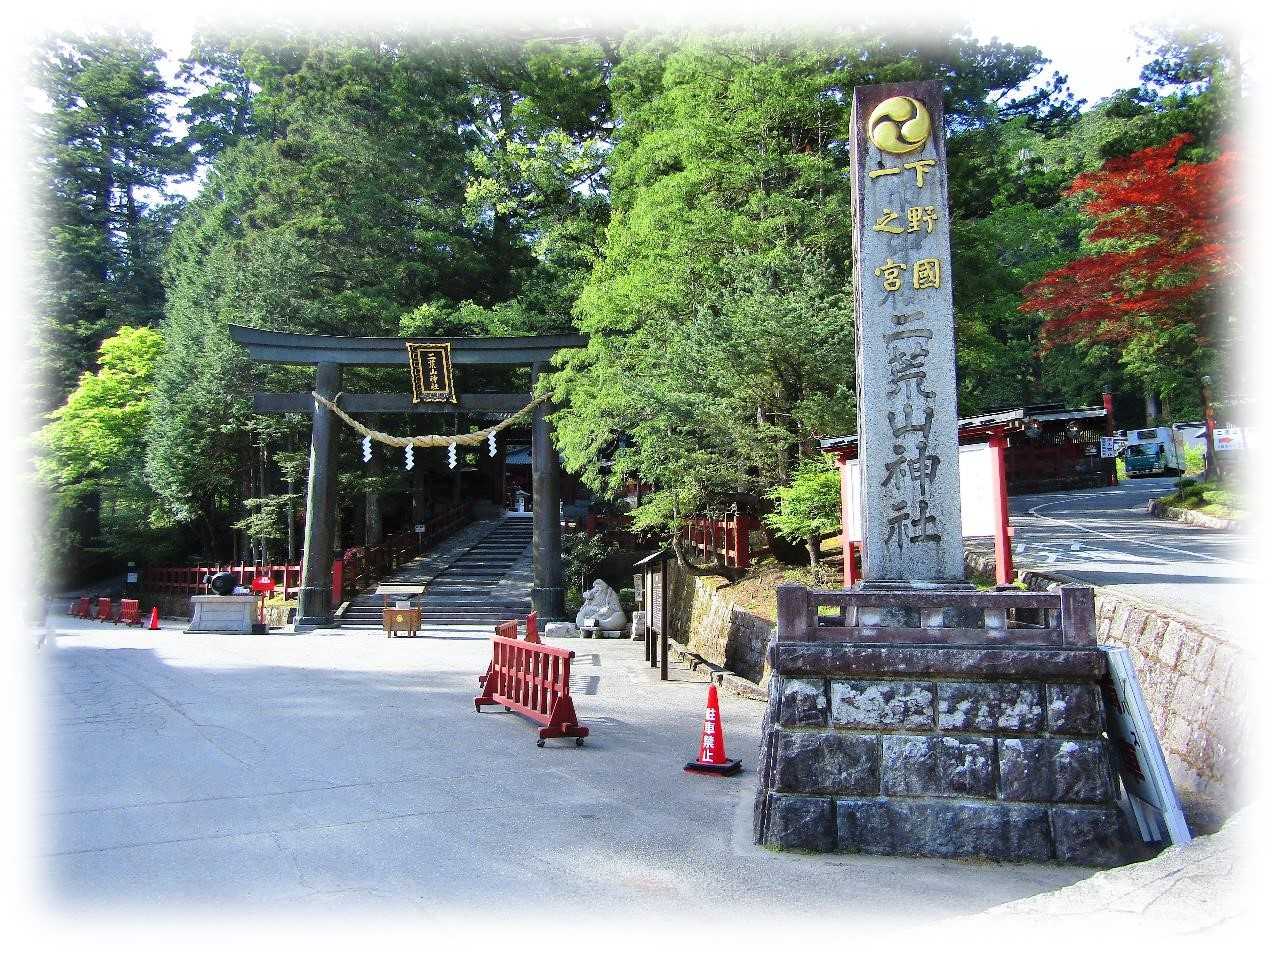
point(939, 751)
point(709, 625)
point(1194, 682)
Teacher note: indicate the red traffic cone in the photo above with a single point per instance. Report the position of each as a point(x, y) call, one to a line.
point(154, 624)
point(712, 743)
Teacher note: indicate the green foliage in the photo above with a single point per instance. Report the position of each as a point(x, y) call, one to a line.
point(809, 507)
point(93, 449)
point(104, 159)
point(1208, 497)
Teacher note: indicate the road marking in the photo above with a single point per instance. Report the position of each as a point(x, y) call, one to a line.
point(1103, 534)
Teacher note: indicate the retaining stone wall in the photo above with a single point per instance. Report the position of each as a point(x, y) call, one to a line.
point(1192, 679)
point(709, 625)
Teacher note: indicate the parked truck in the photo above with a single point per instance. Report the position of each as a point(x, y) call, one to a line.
point(1150, 452)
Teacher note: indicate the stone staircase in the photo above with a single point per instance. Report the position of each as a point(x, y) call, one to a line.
point(471, 582)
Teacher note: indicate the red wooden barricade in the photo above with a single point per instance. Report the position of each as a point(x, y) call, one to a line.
point(103, 609)
point(130, 612)
point(81, 607)
point(534, 680)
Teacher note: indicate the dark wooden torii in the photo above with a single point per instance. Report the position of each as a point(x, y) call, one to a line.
point(330, 354)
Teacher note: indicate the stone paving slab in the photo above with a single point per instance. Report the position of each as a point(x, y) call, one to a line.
point(282, 771)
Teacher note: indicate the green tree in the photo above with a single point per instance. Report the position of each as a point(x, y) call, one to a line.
point(104, 161)
point(93, 450)
point(808, 508)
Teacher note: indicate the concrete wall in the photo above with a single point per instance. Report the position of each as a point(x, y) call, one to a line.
point(709, 625)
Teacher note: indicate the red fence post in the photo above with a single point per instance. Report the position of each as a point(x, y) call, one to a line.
point(1004, 552)
point(338, 580)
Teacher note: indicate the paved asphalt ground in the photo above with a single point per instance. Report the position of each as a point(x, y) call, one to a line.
point(340, 772)
point(1105, 536)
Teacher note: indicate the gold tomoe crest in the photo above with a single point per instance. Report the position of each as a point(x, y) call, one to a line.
point(901, 124)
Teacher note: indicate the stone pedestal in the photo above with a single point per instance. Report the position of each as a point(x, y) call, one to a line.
point(232, 614)
point(970, 748)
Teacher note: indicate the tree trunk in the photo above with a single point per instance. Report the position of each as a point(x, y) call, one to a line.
point(812, 549)
point(1153, 408)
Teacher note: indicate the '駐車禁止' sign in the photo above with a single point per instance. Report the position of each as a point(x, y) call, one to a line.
point(905, 337)
point(431, 366)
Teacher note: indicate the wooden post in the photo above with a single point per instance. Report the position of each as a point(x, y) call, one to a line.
point(1004, 551)
point(314, 598)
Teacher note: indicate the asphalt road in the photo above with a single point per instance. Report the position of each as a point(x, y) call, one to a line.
point(1105, 536)
point(223, 775)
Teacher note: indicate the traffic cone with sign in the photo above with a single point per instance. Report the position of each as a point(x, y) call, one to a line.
point(712, 743)
point(154, 624)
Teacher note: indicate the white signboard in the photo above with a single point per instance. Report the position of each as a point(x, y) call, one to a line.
point(1138, 755)
point(420, 529)
point(1108, 446)
point(1228, 439)
point(978, 494)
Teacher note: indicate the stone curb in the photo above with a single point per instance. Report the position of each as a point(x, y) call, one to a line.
point(727, 680)
point(1198, 519)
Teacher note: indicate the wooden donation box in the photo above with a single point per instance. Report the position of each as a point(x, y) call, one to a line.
point(398, 619)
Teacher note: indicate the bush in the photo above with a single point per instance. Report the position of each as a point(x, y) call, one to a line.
point(1185, 483)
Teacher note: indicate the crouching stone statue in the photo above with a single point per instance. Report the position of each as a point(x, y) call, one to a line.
point(601, 605)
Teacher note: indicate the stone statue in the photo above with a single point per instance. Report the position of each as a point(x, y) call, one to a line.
point(601, 605)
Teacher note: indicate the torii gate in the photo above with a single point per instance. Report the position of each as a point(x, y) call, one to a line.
point(330, 354)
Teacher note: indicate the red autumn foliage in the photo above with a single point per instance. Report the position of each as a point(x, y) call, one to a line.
point(1166, 242)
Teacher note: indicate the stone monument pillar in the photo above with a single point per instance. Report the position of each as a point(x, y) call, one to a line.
point(927, 718)
point(905, 339)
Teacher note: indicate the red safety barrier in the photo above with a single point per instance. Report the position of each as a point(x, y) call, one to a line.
point(130, 612)
point(103, 609)
point(533, 680)
point(81, 607)
point(533, 632)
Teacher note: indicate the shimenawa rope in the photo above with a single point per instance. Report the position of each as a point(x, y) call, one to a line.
point(424, 441)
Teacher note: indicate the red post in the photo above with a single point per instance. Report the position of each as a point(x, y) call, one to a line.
point(1004, 552)
point(1108, 405)
point(338, 579)
point(849, 573)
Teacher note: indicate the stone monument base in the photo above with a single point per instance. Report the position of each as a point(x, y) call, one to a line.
point(231, 614)
point(986, 745)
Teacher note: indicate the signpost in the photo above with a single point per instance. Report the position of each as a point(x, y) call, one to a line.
point(905, 344)
point(1143, 771)
point(654, 594)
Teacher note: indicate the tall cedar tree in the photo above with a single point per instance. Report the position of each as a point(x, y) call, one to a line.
point(1159, 262)
point(104, 160)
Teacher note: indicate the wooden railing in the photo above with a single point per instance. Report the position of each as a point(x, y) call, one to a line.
point(725, 538)
point(360, 568)
point(357, 568)
point(1062, 618)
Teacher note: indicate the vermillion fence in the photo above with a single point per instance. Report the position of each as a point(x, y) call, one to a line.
point(355, 569)
point(725, 538)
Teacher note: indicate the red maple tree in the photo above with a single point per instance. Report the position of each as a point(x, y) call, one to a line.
point(1161, 246)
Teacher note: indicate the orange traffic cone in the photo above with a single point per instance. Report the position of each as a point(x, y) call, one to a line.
point(712, 743)
point(154, 624)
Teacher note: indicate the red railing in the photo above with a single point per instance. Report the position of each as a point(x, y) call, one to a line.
point(725, 538)
point(533, 680)
point(360, 568)
point(357, 568)
point(191, 578)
